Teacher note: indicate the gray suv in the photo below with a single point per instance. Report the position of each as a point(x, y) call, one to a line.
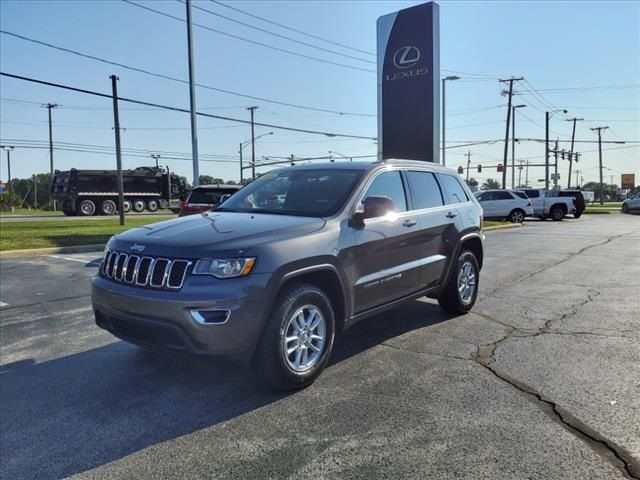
point(292, 259)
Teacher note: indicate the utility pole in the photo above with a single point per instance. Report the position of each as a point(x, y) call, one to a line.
point(241, 170)
point(8, 149)
point(526, 174)
point(555, 170)
point(520, 167)
point(547, 116)
point(116, 129)
point(35, 191)
point(513, 144)
point(573, 138)
point(156, 157)
point(49, 107)
point(599, 130)
point(444, 117)
point(468, 165)
point(506, 134)
point(578, 172)
point(253, 144)
point(292, 164)
point(192, 99)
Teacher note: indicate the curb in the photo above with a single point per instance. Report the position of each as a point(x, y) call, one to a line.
point(50, 251)
point(503, 227)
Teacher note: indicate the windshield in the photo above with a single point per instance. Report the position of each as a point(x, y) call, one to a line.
point(312, 193)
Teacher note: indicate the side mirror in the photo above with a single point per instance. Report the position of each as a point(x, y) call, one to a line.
point(376, 206)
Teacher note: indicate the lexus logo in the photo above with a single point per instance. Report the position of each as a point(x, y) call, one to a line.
point(406, 57)
point(137, 248)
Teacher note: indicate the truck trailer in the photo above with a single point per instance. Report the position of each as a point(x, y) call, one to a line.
point(91, 192)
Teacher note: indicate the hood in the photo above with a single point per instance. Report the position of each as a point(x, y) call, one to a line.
point(219, 232)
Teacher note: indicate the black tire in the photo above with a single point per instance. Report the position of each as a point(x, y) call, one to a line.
point(625, 208)
point(577, 214)
point(517, 216)
point(153, 205)
point(557, 213)
point(108, 207)
point(270, 360)
point(126, 205)
point(86, 208)
point(138, 205)
point(451, 299)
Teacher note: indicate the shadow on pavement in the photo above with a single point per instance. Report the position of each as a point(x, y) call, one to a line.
point(78, 412)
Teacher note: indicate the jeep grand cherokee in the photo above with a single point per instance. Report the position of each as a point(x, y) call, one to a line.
point(292, 259)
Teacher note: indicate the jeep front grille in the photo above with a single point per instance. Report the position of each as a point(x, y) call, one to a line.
point(145, 271)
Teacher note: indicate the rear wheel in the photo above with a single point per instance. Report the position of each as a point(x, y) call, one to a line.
point(86, 208)
point(461, 291)
point(297, 339)
point(153, 205)
point(126, 206)
point(557, 213)
point(516, 216)
point(137, 205)
point(577, 214)
point(108, 207)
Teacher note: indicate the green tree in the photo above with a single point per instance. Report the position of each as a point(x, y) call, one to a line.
point(490, 184)
point(472, 183)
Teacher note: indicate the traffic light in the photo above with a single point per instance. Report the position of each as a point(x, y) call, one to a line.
point(460, 170)
point(479, 168)
point(562, 154)
point(500, 168)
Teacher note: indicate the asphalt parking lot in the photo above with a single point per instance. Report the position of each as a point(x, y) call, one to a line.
point(540, 381)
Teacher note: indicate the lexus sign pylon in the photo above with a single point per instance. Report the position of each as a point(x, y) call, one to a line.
point(408, 84)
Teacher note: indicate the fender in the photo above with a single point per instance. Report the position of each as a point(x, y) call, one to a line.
point(449, 268)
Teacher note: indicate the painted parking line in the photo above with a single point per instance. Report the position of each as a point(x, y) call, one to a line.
point(85, 261)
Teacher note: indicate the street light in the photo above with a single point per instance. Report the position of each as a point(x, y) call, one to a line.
point(547, 116)
point(513, 143)
point(8, 149)
point(444, 133)
point(340, 154)
point(155, 156)
point(244, 144)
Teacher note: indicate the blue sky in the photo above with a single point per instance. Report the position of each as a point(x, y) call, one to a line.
point(559, 47)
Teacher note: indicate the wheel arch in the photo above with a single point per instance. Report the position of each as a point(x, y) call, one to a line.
point(327, 278)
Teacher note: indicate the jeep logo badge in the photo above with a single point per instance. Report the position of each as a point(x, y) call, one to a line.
point(406, 57)
point(136, 247)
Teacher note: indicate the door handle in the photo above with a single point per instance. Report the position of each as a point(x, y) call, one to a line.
point(409, 223)
point(451, 215)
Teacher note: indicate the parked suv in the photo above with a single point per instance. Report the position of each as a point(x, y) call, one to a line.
point(292, 259)
point(205, 197)
point(505, 205)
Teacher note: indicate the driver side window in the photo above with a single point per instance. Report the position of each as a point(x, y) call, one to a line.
point(388, 184)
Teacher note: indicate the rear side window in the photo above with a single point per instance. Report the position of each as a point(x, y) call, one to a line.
point(521, 195)
point(388, 184)
point(205, 196)
point(502, 195)
point(532, 193)
point(424, 190)
point(452, 190)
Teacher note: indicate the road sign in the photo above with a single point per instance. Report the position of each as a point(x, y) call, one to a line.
point(627, 180)
point(555, 176)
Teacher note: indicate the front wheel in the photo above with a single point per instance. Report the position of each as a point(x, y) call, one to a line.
point(625, 208)
point(460, 293)
point(297, 339)
point(517, 216)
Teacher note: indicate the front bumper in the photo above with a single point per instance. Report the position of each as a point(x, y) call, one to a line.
point(161, 319)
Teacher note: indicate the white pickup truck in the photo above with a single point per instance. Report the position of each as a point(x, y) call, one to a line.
point(545, 205)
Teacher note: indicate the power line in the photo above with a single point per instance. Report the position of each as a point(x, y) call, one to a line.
point(177, 109)
point(316, 37)
point(174, 79)
point(268, 32)
point(265, 45)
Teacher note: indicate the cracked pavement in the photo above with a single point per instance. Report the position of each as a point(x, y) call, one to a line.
point(540, 381)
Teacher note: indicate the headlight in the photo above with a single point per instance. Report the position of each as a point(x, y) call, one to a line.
point(224, 268)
